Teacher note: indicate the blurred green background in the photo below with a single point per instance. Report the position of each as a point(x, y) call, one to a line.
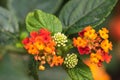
point(14, 61)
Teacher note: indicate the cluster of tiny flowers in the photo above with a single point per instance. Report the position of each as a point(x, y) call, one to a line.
point(71, 60)
point(96, 44)
point(41, 45)
point(60, 39)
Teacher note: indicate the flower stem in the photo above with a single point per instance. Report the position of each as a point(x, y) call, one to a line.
point(33, 68)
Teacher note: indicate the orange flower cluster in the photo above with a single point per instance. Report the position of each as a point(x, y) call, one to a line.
point(42, 46)
point(94, 43)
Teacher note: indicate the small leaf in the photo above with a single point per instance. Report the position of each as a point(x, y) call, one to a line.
point(23, 35)
point(77, 14)
point(38, 19)
point(80, 72)
point(22, 7)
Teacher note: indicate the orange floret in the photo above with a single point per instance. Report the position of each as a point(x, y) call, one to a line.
point(33, 50)
point(56, 60)
point(90, 34)
point(79, 42)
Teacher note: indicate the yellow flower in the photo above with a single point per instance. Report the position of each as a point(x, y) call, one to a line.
point(41, 67)
point(104, 33)
point(106, 45)
point(90, 33)
point(39, 45)
point(79, 42)
point(95, 58)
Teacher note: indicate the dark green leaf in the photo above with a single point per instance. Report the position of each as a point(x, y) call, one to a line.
point(12, 67)
point(22, 7)
point(38, 19)
point(77, 14)
point(80, 72)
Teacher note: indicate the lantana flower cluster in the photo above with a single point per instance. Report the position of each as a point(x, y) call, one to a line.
point(42, 46)
point(45, 47)
point(95, 44)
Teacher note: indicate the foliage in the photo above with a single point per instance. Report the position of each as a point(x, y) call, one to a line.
point(74, 15)
point(38, 19)
point(77, 14)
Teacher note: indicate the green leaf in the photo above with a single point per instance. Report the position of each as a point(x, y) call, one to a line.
point(23, 35)
point(77, 14)
point(22, 7)
point(12, 67)
point(38, 19)
point(8, 26)
point(80, 72)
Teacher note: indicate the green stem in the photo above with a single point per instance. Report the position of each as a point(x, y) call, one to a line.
point(33, 68)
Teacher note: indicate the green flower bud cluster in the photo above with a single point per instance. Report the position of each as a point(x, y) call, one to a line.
point(71, 60)
point(60, 39)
